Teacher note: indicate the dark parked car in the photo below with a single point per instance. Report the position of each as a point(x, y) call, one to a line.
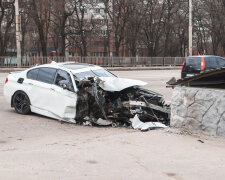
point(198, 64)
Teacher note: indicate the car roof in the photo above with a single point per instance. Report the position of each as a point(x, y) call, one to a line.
point(75, 66)
point(70, 66)
point(205, 56)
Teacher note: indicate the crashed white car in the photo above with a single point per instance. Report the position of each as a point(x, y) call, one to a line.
point(82, 93)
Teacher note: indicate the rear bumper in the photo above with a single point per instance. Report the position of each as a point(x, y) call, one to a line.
point(6, 94)
point(186, 75)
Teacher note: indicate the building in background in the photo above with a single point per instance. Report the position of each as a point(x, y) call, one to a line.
point(112, 28)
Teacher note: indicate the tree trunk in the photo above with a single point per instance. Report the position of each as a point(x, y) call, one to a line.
point(117, 49)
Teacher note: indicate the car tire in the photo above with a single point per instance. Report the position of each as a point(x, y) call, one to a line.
point(21, 103)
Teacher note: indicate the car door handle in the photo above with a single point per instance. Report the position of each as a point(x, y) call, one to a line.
point(52, 89)
point(31, 84)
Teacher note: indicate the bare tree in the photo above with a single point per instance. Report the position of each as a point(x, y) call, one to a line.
point(61, 12)
point(138, 13)
point(127, 27)
point(168, 23)
point(179, 36)
point(221, 20)
point(216, 24)
point(7, 16)
point(118, 12)
point(152, 27)
point(39, 11)
point(201, 25)
point(81, 25)
point(24, 25)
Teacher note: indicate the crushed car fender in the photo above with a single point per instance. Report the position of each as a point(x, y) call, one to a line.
point(117, 106)
point(118, 84)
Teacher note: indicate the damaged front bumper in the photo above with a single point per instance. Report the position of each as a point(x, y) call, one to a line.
point(126, 106)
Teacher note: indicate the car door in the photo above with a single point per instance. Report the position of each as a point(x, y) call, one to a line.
point(220, 62)
point(210, 63)
point(63, 100)
point(39, 84)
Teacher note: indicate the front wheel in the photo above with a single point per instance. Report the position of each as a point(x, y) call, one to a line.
point(21, 103)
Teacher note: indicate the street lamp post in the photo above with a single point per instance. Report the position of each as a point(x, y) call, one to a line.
point(18, 34)
point(190, 27)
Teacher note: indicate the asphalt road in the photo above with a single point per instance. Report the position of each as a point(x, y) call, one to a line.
point(36, 147)
point(156, 79)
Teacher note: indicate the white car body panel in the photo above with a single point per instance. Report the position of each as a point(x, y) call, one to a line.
point(46, 99)
point(118, 84)
point(46, 113)
point(12, 86)
point(53, 101)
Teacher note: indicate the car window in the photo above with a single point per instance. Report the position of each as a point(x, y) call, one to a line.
point(32, 74)
point(93, 73)
point(221, 62)
point(103, 73)
point(210, 62)
point(46, 75)
point(194, 62)
point(63, 77)
point(82, 75)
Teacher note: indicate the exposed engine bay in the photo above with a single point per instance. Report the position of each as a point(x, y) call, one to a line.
point(117, 108)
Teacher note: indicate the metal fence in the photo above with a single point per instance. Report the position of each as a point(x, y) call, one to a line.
point(101, 61)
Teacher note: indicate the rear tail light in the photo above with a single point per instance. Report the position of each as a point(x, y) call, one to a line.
point(6, 80)
point(202, 63)
point(184, 63)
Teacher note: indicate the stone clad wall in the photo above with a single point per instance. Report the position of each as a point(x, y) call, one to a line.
point(199, 110)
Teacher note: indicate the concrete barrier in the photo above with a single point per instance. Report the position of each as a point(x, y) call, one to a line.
point(199, 110)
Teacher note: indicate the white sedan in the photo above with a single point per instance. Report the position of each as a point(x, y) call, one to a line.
point(74, 92)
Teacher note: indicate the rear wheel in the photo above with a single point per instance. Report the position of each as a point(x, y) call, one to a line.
point(21, 103)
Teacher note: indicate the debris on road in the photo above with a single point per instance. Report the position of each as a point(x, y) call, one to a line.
point(137, 124)
point(200, 141)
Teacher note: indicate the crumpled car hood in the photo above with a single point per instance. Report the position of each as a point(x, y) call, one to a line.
point(118, 84)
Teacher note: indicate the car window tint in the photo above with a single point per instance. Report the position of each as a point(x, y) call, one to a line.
point(82, 75)
point(32, 74)
point(94, 73)
point(46, 75)
point(62, 76)
point(194, 62)
point(103, 73)
point(221, 62)
point(210, 63)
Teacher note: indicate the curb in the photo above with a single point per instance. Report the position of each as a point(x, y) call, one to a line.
point(8, 70)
